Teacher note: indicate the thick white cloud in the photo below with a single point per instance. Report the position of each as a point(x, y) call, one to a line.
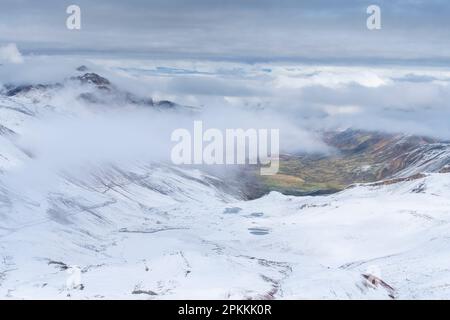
point(411, 99)
point(298, 99)
point(10, 54)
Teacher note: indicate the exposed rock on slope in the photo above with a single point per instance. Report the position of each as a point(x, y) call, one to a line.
point(95, 90)
point(360, 157)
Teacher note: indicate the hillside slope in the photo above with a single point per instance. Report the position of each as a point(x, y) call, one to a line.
point(359, 157)
point(143, 229)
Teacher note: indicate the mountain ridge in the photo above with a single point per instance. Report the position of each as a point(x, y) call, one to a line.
point(144, 229)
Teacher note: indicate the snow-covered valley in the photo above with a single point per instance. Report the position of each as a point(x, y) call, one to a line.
point(147, 230)
point(133, 240)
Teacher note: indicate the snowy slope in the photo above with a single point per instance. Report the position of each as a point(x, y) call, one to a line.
point(147, 230)
point(130, 238)
point(428, 158)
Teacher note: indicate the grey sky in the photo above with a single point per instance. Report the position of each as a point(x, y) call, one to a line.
point(245, 30)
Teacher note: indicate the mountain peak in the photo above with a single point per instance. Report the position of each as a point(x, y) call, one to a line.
point(93, 78)
point(82, 68)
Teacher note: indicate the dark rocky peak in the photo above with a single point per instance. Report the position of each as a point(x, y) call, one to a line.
point(93, 78)
point(133, 99)
point(166, 104)
point(13, 90)
point(107, 93)
point(82, 68)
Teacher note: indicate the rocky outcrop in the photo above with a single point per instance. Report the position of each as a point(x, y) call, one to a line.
point(102, 93)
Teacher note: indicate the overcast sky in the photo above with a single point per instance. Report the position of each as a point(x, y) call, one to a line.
point(196, 53)
point(243, 30)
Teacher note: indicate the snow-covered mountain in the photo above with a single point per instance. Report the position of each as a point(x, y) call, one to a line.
point(143, 229)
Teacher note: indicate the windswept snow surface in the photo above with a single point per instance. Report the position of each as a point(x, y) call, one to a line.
point(145, 230)
point(145, 233)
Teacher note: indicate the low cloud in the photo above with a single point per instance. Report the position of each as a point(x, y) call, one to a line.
point(398, 99)
point(10, 54)
point(301, 101)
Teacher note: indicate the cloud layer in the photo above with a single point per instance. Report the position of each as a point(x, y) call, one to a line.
point(413, 100)
point(10, 54)
point(251, 30)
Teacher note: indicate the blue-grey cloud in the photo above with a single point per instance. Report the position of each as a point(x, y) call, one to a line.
point(233, 29)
